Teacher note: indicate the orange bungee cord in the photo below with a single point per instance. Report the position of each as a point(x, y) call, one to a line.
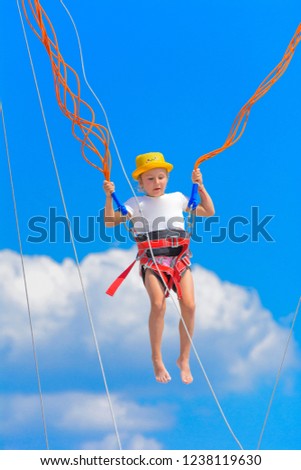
point(241, 120)
point(70, 102)
point(84, 129)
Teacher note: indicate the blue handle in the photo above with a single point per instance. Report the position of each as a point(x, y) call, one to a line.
point(193, 201)
point(120, 206)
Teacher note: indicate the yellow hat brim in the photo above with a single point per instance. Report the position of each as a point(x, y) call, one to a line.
point(150, 166)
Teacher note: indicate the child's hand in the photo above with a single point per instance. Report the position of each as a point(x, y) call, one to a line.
point(197, 177)
point(108, 187)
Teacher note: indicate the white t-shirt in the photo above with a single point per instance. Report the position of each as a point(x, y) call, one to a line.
point(157, 213)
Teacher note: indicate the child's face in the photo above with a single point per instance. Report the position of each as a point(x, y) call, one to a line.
point(153, 182)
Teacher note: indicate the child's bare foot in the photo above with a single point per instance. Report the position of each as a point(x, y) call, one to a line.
point(186, 375)
point(161, 373)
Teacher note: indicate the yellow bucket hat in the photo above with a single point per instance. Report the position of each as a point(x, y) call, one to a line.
point(148, 161)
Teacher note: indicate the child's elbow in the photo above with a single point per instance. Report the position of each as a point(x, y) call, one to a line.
point(109, 222)
point(210, 212)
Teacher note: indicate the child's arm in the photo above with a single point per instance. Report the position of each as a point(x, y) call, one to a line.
point(206, 207)
point(111, 217)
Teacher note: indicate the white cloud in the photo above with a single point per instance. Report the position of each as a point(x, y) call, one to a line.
point(85, 415)
point(239, 334)
point(241, 342)
point(53, 295)
point(134, 442)
point(87, 411)
point(18, 411)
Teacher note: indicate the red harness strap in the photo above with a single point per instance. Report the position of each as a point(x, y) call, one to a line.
point(171, 275)
point(114, 286)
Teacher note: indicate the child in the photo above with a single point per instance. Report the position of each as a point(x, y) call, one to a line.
point(160, 215)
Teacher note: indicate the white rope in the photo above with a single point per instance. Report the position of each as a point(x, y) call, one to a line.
point(34, 349)
point(71, 234)
point(148, 239)
point(278, 375)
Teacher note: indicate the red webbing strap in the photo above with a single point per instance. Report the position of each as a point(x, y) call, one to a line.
point(114, 286)
point(142, 246)
point(162, 243)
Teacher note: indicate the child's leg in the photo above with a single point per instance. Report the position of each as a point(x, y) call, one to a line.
point(187, 305)
point(156, 323)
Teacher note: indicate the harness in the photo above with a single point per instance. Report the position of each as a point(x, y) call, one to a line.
point(163, 243)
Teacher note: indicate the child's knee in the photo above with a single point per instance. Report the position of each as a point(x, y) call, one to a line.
point(189, 306)
point(158, 306)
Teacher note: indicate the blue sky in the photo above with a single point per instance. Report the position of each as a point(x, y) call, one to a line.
point(171, 78)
